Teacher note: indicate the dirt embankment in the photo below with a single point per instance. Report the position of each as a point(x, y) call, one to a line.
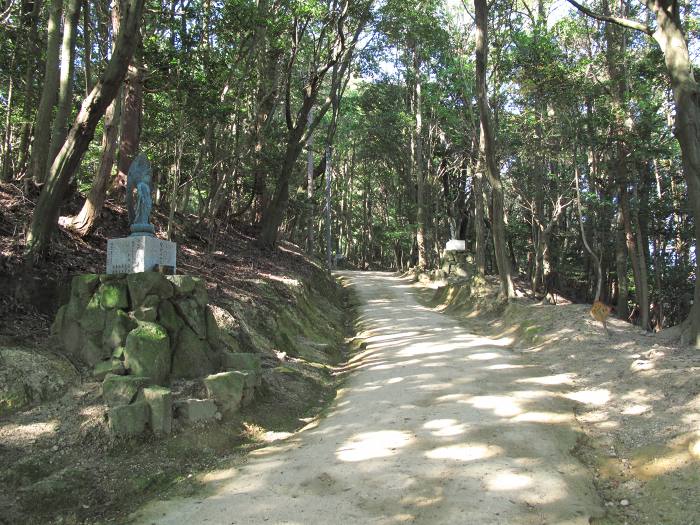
point(59, 463)
point(636, 395)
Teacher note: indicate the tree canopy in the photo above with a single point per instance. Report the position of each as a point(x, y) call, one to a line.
point(559, 140)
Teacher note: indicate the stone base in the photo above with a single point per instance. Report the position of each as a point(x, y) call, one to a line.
point(139, 254)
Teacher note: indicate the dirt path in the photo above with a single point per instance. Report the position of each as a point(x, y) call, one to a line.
point(434, 425)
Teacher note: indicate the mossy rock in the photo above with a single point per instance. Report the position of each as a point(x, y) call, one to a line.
point(27, 377)
point(213, 332)
point(71, 337)
point(113, 295)
point(141, 285)
point(191, 357)
point(167, 317)
point(118, 390)
point(112, 366)
point(242, 361)
point(59, 321)
point(226, 389)
point(83, 286)
point(194, 315)
point(129, 420)
point(93, 318)
point(93, 351)
point(160, 403)
point(118, 324)
point(184, 284)
point(147, 352)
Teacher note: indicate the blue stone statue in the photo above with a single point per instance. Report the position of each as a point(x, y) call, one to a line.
point(139, 180)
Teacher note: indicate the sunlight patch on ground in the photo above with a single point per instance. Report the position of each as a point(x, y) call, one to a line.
point(504, 367)
point(30, 432)
point(427, 348)
point(464, 452)
point(636, 410)
point(594, 396)
point(484, 356)
point(558, 379)
point(543, 417)
point(508, 481)
point(445, 427)
point(501, 405)
point(372, 445)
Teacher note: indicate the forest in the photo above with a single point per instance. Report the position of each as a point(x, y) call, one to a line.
point(560, 140)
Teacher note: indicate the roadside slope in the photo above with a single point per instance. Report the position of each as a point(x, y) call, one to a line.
point(636, 396)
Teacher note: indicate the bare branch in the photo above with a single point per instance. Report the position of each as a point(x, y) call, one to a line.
point(624, 22)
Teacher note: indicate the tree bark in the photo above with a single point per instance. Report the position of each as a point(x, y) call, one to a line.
point(59, 129)
point(489, 154)
point(621, 267)
point(418, 159)
point(68, 159)
point(39, 159)
point(131, 115)
point(31, 24)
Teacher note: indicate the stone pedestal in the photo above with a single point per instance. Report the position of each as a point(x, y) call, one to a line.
point(456, 261)
point(139, 254)
point(456, 246)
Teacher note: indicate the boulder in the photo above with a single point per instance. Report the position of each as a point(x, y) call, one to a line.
point(241, 361)
point(83, 286)
point(113, 366)
point(92, 351)
point(183, 284)
point(195, 410)
point(118, 353)
point(191, 357)
point(128, 420)
point(167, 317)
point(149, 314)
point(113, 294)
point(117, 326)
point(59, 321)
point(226, 389)
point(147, 352)
point(72, 337)
point(194, 315)
point(122, 390)
point(92, 319)
point(213, 332)
point(160, 403)
point(144, 284)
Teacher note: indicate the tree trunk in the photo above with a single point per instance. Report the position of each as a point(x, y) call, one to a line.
point(132, 111)
point(59, 129)
point(488, 152)
point(479, 226)
point(621, 267)
point(38, 161)
point(68, 159)
point(84, 222)
point(310, 191)
point(31, 24)
point(670, 37)
point(637, 257)
point(418, 160)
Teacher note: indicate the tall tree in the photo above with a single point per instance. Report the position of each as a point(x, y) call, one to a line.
point(39, 159)
point(45, 217)
point(488, 151)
